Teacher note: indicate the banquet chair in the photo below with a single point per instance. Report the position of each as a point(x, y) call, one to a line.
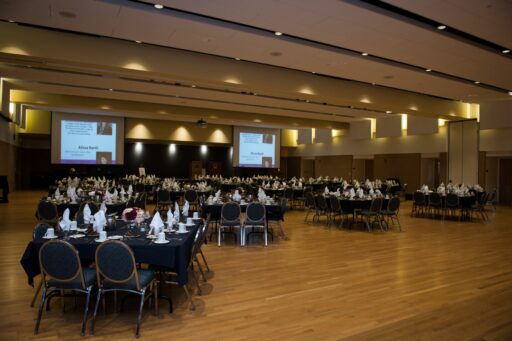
point(491, 200)
point(277, 216)
point(140, 200)
point(206, 228)
point(47, 212)
point(192, 198)
point(301, 199)
point(116, 271)
point(288, 194)
point(163, 200)
point(452, 204)
point(310, 204)
point(373, 213)
point(391, 212)
point(336, 210)
point(255, 218)
point(229, 219)
point(402, 191)
point(479, 207)
point(435, 204)
point(418, 204)
point(321, 208)
point(61, 270)
point(38, 233)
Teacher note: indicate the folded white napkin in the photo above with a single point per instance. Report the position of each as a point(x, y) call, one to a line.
point(115, 195)
point(326, 190)
point(103, 207)
point(65, 223)
point(156, 223)
point(99, 221)
point(176, 212)
point(170, 217)
point(87, 213)
point(186, 207)
point(352, 193)
point(57, 193)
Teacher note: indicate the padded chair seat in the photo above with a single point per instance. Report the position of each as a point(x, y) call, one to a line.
point(145, 277)
point(89, 278)
point(387, 212)
point(230, 224)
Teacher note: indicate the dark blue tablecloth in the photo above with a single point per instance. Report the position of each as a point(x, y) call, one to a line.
point(174, 256)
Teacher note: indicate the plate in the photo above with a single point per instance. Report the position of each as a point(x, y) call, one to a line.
point(190, 225)
point(78, 235)
point(151, 236)
point(197, 218)
point(82, 230)
point(161, 241)
point(54, 237)
point(115, 238)
point(182, 232)
point(99, 241)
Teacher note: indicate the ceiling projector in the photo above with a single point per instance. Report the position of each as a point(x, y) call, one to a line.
point(201, 123)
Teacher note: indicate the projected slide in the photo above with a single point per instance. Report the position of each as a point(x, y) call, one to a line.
point(83, 139)
point(88, 142)
point(257, 150)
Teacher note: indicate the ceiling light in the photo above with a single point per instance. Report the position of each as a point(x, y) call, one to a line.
point(428, 70)
point(237, 58)
point(313, 72)
point(193, 85)
point(510, 93)
point(201, 123)
point(138, 41)
point(278, 33)
point(364, 54)
point(477, 82)
point(505, 51)
point(11, 21)
point(441, 27)
point(389, 112)
point(110, 89)
point(159, 6)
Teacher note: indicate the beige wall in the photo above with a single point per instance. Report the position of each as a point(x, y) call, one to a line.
point(38, 122)
point(139, 129)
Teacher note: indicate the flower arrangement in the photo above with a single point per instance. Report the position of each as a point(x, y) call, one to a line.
point(133, 213)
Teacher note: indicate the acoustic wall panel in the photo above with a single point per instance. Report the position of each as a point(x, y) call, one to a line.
point(323, 135)
point(305, 136)
point(389, 126)
point(419, 125)
point(360, 130)
point(496, 115)
point(463, 152)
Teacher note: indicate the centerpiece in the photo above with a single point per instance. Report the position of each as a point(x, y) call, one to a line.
point(133, 214)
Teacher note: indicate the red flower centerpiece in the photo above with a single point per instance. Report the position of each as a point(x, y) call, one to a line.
point(133, 214)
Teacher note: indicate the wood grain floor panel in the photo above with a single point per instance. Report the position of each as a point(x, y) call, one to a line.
point(437, 280)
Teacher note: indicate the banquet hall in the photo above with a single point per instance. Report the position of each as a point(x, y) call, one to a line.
point(256, 169)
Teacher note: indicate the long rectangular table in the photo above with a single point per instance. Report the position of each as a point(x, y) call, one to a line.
point(174, 256)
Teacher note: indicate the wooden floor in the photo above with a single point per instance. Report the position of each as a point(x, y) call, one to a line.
point(437, 280)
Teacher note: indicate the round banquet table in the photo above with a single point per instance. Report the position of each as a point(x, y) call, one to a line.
point(465, 201)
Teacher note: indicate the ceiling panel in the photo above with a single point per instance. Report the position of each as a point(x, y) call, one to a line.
point(490, 20)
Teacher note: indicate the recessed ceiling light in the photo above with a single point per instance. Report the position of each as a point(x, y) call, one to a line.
point(237, 58)
point(313, 72)
point(510, 93)
point(441, 27)
point(159, 6)
point(389, 112)
point(110, 89)
point(364, 54)
point(428, 70)
point(278, 33)
point(505, 51)
point(307, 101)
point(193, 86)
point(138, 41)
point(11, 21)
point(477, 82)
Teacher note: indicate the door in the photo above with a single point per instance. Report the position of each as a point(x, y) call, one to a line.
point(505, 182)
